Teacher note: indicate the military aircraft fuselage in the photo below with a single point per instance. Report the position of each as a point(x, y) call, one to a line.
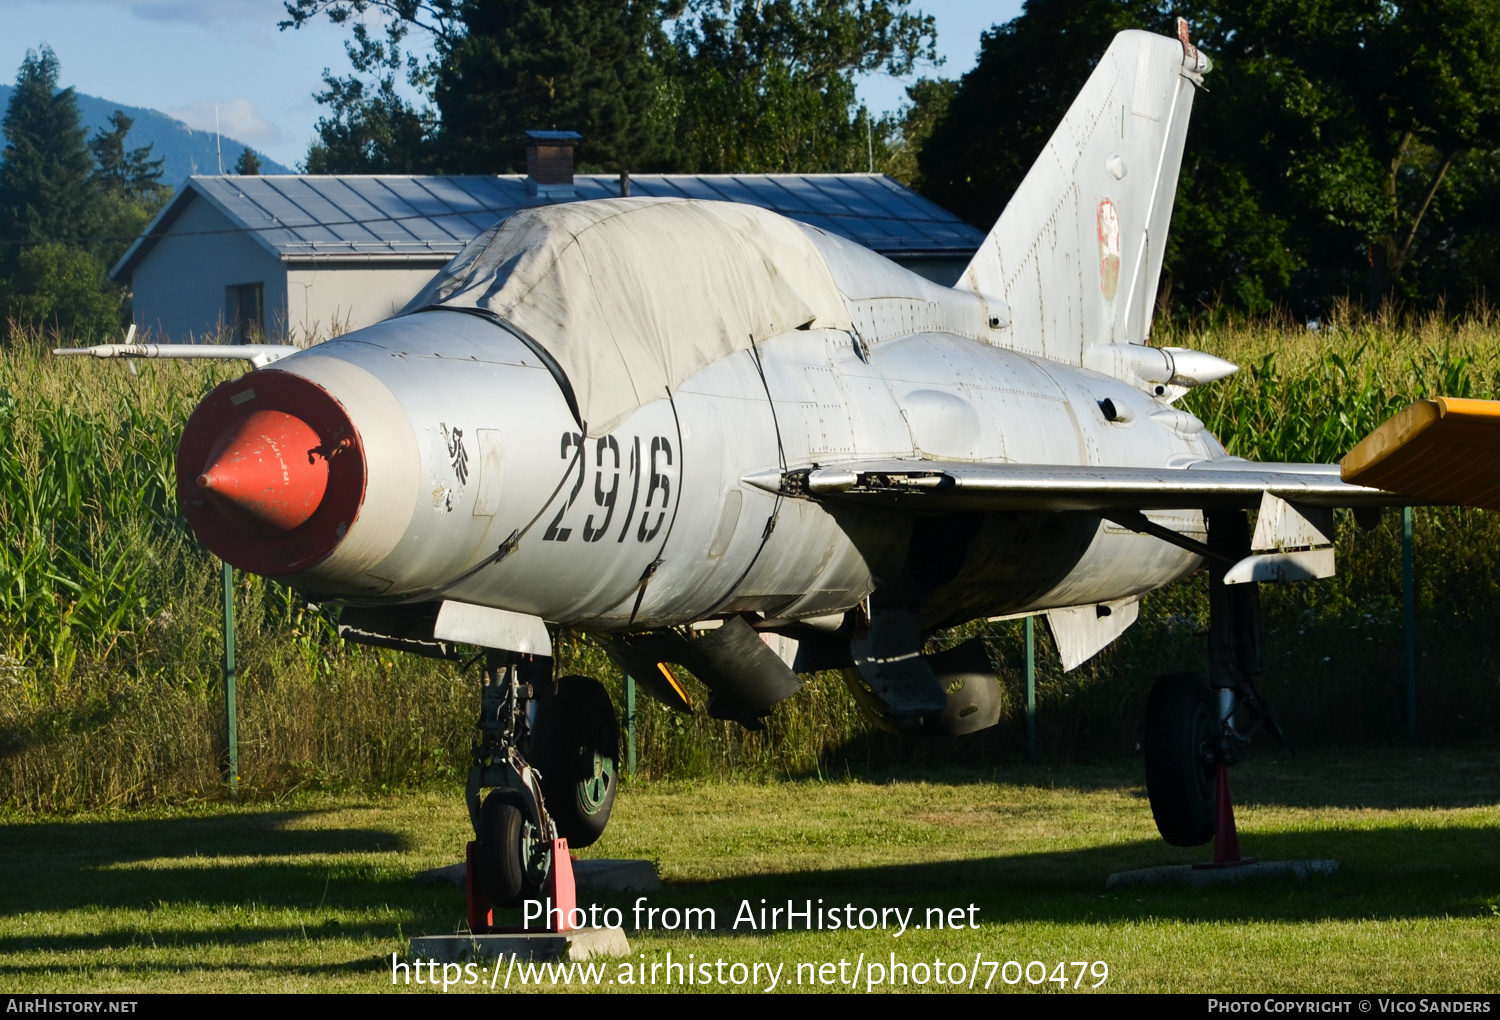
point(481, 486)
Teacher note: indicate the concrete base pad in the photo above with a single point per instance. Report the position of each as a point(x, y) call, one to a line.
point(602, 875)
point(582, 944)
point(591, 875)
point(1197, 878)
point(450, 874)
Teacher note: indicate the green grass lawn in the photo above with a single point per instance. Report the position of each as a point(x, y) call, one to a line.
point(316, 893)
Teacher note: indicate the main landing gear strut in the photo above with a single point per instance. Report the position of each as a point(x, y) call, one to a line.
point(1195, 727)
point(548, 753)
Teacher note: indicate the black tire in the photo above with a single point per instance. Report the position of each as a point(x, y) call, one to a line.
point(1180, 782)
point(501, 851)
point(575, 743)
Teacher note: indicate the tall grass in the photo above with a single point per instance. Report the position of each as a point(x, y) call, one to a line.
point(109, 627)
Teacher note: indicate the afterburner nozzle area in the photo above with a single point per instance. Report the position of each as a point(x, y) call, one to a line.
point(270, 472)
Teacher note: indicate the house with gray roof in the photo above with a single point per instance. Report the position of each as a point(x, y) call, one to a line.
point(305, 257)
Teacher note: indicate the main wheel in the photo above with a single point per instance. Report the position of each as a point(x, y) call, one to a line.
point(507, 839)
point(1180, 777)
point(575, 743)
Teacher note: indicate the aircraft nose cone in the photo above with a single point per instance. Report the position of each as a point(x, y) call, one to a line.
point(267, 470)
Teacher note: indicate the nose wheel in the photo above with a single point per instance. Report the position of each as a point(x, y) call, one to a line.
point(511, 857)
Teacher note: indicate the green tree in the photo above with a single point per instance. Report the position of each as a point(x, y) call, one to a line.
point(927, 105)
point(1335, 151)
point(45, 187)
point(769, 85)
point(498, 69)
point(62, 287)
point(1458, 253)
point(128, 189)
point(1350, 118)
point(62, 216)
point(130, 174)
point(708, 85)
point(371, 128)
point(580, 65)
point(248, 165)
point(1004, 110)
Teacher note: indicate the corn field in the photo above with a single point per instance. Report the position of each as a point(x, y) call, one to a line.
point(110, 689)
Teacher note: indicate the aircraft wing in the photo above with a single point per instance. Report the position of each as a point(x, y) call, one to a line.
point(950, 486)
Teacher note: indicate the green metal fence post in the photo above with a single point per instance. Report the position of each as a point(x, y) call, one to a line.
point(231, 713)
point(630, 726)
point(1031, 686)
point(1409, 620)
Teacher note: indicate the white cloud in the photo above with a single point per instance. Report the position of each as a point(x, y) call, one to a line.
point(210, 12)
point(237, 119)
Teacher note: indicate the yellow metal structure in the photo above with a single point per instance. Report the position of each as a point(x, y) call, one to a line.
point(1443, 451)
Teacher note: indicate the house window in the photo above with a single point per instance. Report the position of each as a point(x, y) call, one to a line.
point(245, 312)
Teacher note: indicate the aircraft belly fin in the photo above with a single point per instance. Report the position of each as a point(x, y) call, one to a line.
point(1081, 632)
point(486, 627)
point(889, 658)
point(746, 677)
point(974, 695)
point(1281, 525)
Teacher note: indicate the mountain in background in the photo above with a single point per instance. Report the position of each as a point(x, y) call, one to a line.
point(183, 150)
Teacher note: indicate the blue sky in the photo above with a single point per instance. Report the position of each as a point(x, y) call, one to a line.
point(188, 58)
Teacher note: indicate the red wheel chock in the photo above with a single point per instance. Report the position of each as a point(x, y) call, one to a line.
point(562, 892)
point(481, 914)
point(1226, 837)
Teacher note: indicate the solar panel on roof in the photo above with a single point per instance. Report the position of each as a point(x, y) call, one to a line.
point(854, 195)
point(416, 197)
point(331, 215)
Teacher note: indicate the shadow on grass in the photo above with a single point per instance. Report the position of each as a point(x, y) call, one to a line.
point(185, 939)
point(1387, 780)
point(176, 867)
point(101, 842)
point(151, 863)
point(1387, 873)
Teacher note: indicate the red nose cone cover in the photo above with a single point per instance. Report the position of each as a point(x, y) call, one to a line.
point(267, 468)
point(271, 472)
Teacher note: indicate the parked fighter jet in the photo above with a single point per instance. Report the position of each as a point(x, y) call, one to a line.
point(718, 440)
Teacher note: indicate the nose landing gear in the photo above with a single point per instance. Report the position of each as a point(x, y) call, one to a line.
point(512, 829)
point(548, 753)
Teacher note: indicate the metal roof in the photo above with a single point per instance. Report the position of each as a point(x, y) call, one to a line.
point(417, 218)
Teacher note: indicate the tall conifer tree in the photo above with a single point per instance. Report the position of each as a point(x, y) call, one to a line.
point(45, 190)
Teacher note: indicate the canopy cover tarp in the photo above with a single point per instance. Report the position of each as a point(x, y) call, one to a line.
point(633, 296)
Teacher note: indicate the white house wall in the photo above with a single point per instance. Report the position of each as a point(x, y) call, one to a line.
point(325, 298)
point(179, 286)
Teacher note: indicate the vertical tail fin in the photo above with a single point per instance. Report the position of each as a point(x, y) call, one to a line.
point(1077, 253)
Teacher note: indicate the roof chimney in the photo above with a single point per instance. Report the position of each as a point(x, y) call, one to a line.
point(549, 164)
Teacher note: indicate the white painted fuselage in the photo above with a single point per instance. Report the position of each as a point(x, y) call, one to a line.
point(492, 494)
